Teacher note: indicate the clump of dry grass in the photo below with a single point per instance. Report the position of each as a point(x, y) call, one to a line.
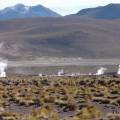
point(89, 112)
point(9, 116)
point(113, 116)
point(61, 95)
point(43, 113)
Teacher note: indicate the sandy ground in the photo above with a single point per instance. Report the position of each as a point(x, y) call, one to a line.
point(63, 62)
point(47, 65)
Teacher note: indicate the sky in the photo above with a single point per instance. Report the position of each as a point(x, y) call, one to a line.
point(63, 7)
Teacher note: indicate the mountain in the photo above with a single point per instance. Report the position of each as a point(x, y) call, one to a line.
point(110, 11)
point(75, 37)
point(22, 11)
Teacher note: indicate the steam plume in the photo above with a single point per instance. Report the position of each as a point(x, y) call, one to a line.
point(118, 72)
point(3, 66)
point(101, 71)
point(61, 72)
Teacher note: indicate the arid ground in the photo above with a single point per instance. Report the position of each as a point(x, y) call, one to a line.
point(60, 98)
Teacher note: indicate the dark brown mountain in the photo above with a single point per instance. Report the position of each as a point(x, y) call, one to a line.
point(31, 38)
point(111, 11)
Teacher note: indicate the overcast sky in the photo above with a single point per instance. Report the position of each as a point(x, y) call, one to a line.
point(63, 7)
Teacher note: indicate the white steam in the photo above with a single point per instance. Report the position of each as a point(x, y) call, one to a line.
point(3, 67)
point(61, 72)
point(101, 71)
point(118, 72)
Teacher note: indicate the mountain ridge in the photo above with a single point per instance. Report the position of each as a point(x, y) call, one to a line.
point(22, 11)
point(110, 11)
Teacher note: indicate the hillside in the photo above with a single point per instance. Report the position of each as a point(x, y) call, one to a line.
point(110, 11)
point(31, 38)
point(22, 11)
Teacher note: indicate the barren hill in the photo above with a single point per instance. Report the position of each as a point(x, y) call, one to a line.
point(36, 37)
point(110, 11)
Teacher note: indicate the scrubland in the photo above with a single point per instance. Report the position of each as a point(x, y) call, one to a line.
point(60, 98)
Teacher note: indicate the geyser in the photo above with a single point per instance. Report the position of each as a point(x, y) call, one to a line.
point(3, 67)
point(61, 72)
point(101, 71)
point(118, 72)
